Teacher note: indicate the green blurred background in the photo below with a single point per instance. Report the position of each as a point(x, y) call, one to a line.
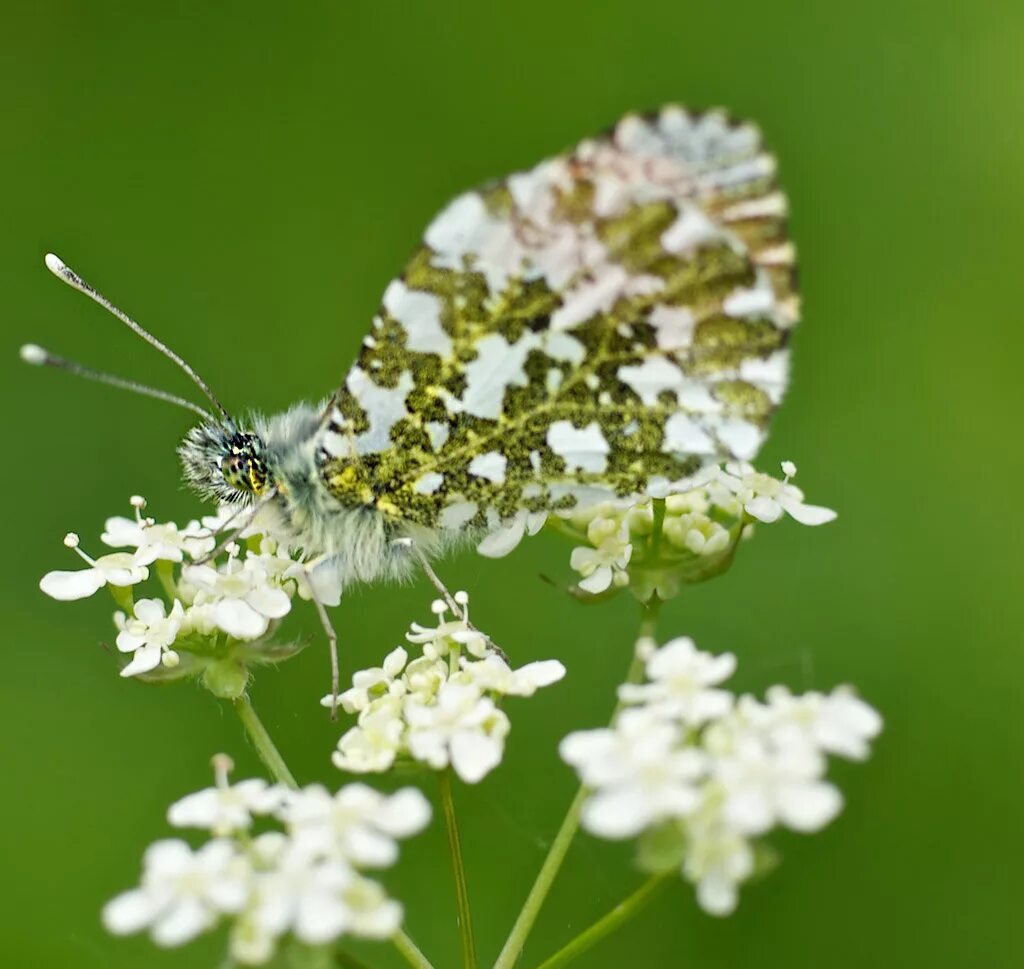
point(246, 180)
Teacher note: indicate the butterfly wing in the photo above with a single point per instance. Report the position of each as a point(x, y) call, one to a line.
point(602, 325)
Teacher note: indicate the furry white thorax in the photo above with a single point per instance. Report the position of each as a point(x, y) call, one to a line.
point(358, 543)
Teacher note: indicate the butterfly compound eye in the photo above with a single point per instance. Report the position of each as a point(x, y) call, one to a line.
point(243, 468)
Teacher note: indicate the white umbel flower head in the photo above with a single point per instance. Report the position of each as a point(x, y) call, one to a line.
point(699, 774)
point(183, 892)
point(440, 708)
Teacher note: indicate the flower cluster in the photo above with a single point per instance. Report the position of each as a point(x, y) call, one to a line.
point(440, 708)
point(655, 546)
point(303, 879)
point(699, 774)
point(215, 614)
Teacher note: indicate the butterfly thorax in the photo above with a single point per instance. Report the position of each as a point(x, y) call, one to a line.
point(281, 459)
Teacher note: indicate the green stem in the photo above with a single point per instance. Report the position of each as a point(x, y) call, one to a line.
point(570, 824)
point(410, 951)
point(444, 780)
point(608, 923)
point(265, 747)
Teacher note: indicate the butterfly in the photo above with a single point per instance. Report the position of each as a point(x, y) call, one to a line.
point(601, 326)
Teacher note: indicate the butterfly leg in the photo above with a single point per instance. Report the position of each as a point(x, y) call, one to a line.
point(234, 532)
point(452, 600)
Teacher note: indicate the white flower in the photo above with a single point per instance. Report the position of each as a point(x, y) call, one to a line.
point(377, 681)
point(640, 771)
point(225, 808)
point(449, 633)
point(681, 683)
point(161, 539)
point(764, 786)
point(462, 727)
point(373, 744)
point(243, 601)
point(840, 723)
point(605, 563)
point(767, 499)
point(183, 893)
point(493, 675)
point(357, 824)
point(118, 569)
point(149, 634)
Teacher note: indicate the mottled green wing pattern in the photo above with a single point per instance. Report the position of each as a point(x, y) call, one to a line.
point(602, 325)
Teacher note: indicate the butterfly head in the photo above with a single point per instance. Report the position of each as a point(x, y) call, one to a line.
point(226, 463)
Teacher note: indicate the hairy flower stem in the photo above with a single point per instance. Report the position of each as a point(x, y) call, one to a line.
point(570, 824)
point(444, 780)
point(608, 923)
point(265, 747)
point(274, 762)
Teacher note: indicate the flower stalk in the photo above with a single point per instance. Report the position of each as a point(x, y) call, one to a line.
point(465, 920)
point(570, 825)
point(609, 922)
point(261, 740)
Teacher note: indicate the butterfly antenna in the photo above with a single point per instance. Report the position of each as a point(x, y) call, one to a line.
point(39, 357)
point(69, 276)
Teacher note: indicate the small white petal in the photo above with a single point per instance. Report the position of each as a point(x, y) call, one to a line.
point(809, 807)
point(474, 755)
point(807, 514)
point(67, 586)
point(129, 912)
point(239, 619)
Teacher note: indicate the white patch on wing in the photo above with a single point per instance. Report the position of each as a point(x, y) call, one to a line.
point(673, 326)
point(771, 374)
point(438, 434)
point(650, 378)
point(562, 346)
point(490, 466)
point(691, 229)
point(683, 435)
point(584, 448)
point(466, 228)
point(769, 206)
point(740, 437)
point(759, 300)
point(420, 316)
point(384, 406)
point(590, 298)
point(429, 483)
point(497, 367)
point(697, 397)
point(458, 514)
